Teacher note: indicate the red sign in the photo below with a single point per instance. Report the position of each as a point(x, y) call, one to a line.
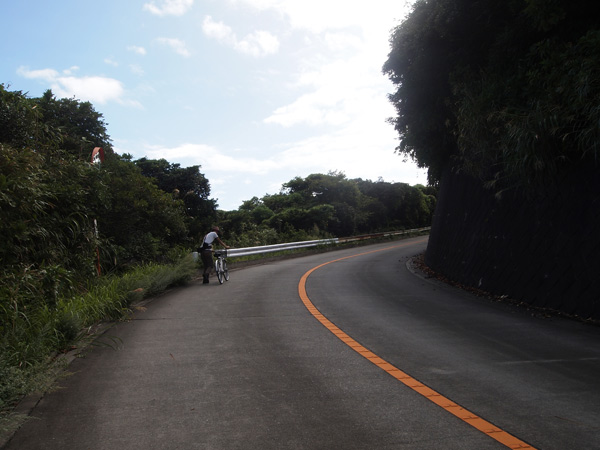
point(98, 155)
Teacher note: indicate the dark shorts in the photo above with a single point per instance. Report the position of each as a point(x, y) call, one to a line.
point(207, 258)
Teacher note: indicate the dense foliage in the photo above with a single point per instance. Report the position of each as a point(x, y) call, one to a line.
point(64, 220)
point(53, 201)
point(321, 206)
point(508, 90)
point(187, 184)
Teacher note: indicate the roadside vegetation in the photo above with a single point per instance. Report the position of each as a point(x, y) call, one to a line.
point(34, 335)
point(507, 92)
point(83, 240)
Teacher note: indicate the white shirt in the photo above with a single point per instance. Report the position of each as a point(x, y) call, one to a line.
point(210, 238)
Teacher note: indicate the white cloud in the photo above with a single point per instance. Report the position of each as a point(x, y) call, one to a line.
point(335, 93)
point(111, 62)
point(43, 74)
point(95, 89)
point(317, 15)
point(316, 108)
point(136, 69)
point(257, 44)
point(218, 30)
point(70, 70)
point(169, 7)
point(210, 158)
point(357, 150)
point(342, 41)
point(360, 148)
point(340, 77)
point(177, 45)
point(137, 49)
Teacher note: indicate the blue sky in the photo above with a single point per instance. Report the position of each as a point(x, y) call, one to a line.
point(256, 92)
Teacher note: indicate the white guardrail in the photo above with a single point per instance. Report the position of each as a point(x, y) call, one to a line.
point(233, 252)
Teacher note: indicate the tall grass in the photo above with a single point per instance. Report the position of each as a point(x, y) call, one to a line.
point(31, 339)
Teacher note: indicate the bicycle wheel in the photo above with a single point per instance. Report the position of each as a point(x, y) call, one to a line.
point(219, 270)
point(225, 271)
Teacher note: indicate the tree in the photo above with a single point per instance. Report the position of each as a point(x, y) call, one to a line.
point(334, 205)
point(394, 206)
point(283, 200)
point(18, 119)
point(46, 213)
point(501, 90)
point(77, 124)
point(256, 210)
point(419, 65)
point(335, 190)
point(187, 184)
point(50, 194)
point(141, 221)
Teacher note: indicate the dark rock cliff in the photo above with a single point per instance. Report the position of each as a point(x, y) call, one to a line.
point(542, 249)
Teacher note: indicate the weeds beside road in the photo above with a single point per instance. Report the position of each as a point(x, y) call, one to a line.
point(32, 339)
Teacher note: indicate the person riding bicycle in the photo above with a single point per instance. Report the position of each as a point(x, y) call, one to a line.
point(206, 251)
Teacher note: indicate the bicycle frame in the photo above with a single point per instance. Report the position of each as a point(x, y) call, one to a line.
point(221, 266)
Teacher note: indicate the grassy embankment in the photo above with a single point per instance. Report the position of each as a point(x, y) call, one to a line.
point(33, 341)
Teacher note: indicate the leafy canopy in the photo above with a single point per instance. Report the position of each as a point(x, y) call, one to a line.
point(508, 91)
point(325, 205)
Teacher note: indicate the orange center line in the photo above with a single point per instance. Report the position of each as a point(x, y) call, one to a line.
point(468, 417)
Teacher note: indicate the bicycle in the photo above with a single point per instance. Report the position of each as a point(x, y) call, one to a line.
point(221, 266)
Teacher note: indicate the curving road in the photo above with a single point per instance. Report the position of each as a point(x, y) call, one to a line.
point(401, 363)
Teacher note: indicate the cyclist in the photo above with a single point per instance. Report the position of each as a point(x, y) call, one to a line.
point(206, 251)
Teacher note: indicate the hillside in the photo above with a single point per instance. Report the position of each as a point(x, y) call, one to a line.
point(501, 102)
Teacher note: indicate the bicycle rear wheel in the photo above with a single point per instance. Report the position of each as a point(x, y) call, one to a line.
point(219, 270)
point(225, 271)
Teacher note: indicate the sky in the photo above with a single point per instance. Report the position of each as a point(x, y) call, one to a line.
point(256, 92)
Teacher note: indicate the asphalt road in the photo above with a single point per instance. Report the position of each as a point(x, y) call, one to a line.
point(246, 365)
